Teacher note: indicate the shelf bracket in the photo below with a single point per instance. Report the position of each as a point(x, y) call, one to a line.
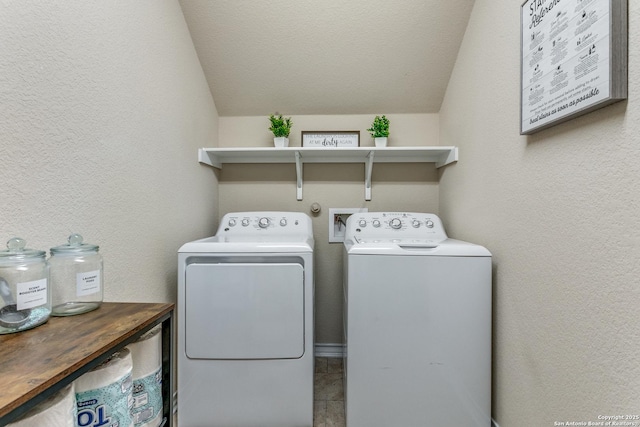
point(208, 159)
point(298, 176)
point(450, 157)
point(367, 175)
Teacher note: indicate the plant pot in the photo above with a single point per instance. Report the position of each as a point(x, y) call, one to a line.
point(381, 141)
point(281, 141)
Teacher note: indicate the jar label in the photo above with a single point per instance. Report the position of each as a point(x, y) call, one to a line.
point(31, 294)
point(88, 283)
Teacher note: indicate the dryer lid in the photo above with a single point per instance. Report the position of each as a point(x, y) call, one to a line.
point(248, 244)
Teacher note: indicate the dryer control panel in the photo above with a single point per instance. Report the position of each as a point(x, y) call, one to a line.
point(264, 222)
point(371, 227)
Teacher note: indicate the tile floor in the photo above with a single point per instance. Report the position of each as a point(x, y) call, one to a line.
point(328, 410)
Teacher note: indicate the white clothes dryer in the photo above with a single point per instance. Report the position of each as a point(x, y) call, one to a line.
point(245, 323)
point(417, 324)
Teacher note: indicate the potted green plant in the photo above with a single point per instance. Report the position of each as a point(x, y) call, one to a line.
point(280, 126)
point(380, 130)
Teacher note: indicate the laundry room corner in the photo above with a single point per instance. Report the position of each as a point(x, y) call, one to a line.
point(485, 269)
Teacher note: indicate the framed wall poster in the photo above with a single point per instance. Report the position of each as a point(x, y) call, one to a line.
point(331, 139)
point(573, 59)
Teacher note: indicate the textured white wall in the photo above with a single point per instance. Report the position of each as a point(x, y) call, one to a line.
point(102, 108)
point(559, 210)
point(407, 187)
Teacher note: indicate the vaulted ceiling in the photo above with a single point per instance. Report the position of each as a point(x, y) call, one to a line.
point(327, 56)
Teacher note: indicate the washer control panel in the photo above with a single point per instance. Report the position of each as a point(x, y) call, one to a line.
point(272, 223)
point(394, 226)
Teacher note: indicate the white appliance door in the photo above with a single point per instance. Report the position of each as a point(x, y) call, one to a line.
point(244, 311)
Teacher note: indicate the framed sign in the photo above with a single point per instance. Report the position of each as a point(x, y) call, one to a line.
point(573, 58)
point(331, 139)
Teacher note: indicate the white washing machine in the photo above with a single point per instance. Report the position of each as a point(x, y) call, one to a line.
point(245, 323)
point(417, 324)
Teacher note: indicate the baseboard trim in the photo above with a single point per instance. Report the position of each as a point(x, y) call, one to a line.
point(329, 350)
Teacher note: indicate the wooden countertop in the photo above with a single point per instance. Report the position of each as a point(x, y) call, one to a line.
point(34, 360)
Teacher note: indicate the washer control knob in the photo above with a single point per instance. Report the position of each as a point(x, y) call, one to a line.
point(395, 223)
point(429, 223)
point(264, 222)
point(376, 223)
point(232, 222)
point(283, 222)
point(415, 223)
point(362, 223)
point(245, 222)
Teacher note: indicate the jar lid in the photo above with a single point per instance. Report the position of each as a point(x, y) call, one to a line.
point(16, 251)
point(75, 245)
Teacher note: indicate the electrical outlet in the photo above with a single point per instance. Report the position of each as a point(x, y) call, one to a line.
point(338, 222)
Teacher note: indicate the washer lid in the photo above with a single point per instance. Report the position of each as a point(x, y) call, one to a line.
point(413, 247)
point(418, 243)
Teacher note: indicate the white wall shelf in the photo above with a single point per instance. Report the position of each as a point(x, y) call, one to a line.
point(439, 155)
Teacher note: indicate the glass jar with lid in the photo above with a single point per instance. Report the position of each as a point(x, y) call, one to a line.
point(25, 295)
point(76, 277)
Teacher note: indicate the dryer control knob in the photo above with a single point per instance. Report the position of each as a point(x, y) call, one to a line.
point(395, 223)
point(283, 222)
point(415, 223)
point(245, 222)
point(264, 222)
point(232, 222)
point(362, 223)
point(429, 223)
point(376, 223)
